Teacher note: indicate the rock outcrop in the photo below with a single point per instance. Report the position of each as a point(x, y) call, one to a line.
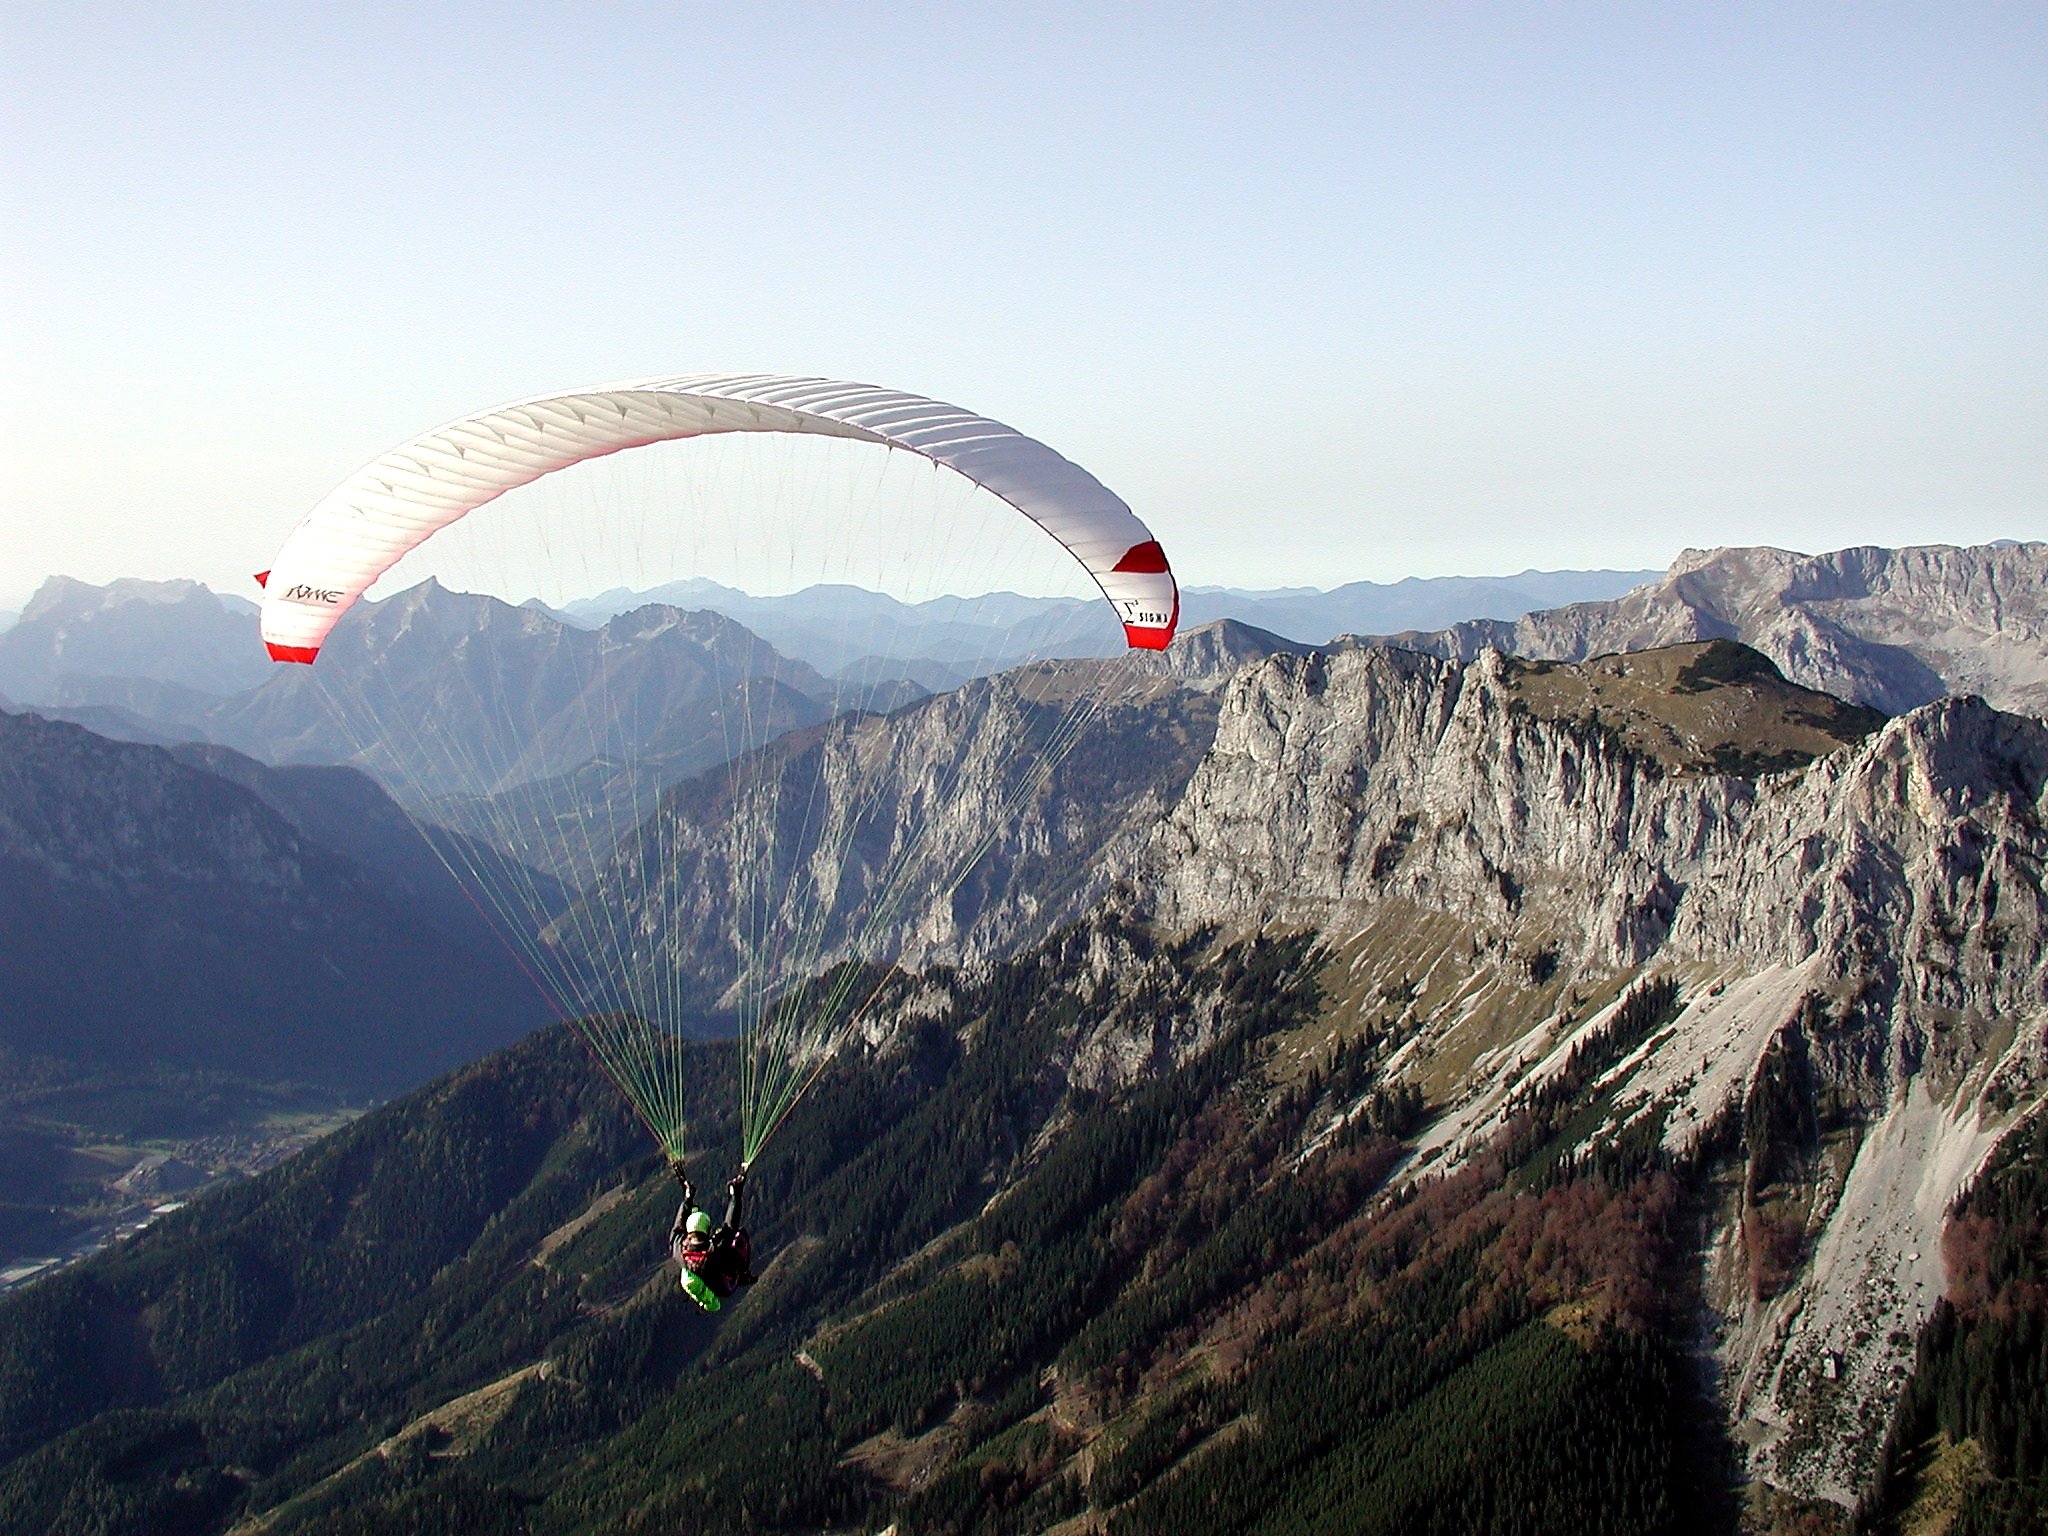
point(952, 830)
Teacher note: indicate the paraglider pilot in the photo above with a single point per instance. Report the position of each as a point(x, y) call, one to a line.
point(715, 1261)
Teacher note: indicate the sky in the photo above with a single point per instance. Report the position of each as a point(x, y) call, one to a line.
point(1326, 292)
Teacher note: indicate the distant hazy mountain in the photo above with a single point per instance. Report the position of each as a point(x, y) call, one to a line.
point(524, 696)
point(73, 634)
point(850, 631)
point(544, 739)
point(154, 912)
point(1368, 607)
point(171, 661)
point(831, 627)
point(451, 698)
point(347, 812)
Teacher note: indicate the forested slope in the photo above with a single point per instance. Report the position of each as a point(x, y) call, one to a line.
point(1970, 1446)
point(993, 1299)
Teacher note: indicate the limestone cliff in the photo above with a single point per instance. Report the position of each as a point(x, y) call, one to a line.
point(953, 830)
point(1857, 945)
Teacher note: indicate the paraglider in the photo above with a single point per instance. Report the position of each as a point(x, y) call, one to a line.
point(712, 1261)
point(811, 890)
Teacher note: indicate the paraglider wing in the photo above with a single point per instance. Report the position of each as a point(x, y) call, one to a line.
point(390, 506)
point(817, 886)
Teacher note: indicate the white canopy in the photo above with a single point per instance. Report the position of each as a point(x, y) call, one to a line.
point(387, 508)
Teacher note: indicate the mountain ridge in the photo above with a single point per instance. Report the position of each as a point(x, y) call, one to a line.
point(174, 631)
point(1892, 629)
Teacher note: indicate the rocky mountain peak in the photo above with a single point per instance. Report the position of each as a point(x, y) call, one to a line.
point(1208, 655)
point(68, 597)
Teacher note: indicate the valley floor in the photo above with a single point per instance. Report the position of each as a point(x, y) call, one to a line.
point(89, 1157)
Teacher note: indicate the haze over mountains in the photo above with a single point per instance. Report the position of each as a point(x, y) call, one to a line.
point(1375, 608)
point(590, 718)
point(174, 632)
point(174, 661)
point(158, 912)
point(1374, 1086)
point(951, 638)
point(75, 639)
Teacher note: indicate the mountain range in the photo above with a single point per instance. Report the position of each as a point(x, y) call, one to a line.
point(1500, 852)
point(1893, 628)
point(549, 734)
point(946, 640)
point(155, 659)
point(1590, 1089)
point(1477, 1071)
point(1375, 608)
point(172, 632)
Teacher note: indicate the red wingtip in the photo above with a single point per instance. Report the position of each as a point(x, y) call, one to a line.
point(300, 653)
point(1146, 559)
point(1154, 637)
point(263, 578)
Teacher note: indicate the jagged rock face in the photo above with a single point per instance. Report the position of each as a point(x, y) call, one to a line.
point(1920, 851)
point(1207, 657)
point(1487, 877)
point(846, 841)
point(1893, 629)
point(1375, 774)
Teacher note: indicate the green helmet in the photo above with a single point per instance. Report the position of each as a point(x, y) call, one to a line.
point(700, 1221)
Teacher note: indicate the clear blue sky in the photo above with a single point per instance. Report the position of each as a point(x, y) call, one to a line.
point(1326, 292)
